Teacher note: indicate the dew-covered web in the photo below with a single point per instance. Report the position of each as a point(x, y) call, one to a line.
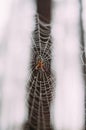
point(41, 81)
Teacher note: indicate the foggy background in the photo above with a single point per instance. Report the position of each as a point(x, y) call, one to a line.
point(16, 25)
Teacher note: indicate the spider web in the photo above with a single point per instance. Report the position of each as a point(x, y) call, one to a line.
point(41, 80)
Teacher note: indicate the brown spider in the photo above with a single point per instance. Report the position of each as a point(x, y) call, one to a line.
point(40, 65)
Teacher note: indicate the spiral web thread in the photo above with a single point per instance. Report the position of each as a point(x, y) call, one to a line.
point(41, 81)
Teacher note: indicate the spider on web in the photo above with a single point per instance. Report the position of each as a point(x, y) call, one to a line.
point(41, 81)
point(40, 65)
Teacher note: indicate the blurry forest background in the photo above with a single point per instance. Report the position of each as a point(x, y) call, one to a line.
point(68, 25)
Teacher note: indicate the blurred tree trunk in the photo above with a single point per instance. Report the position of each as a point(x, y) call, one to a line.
point(44, 10)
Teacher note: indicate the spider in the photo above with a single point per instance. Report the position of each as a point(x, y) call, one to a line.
point(40, 65)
